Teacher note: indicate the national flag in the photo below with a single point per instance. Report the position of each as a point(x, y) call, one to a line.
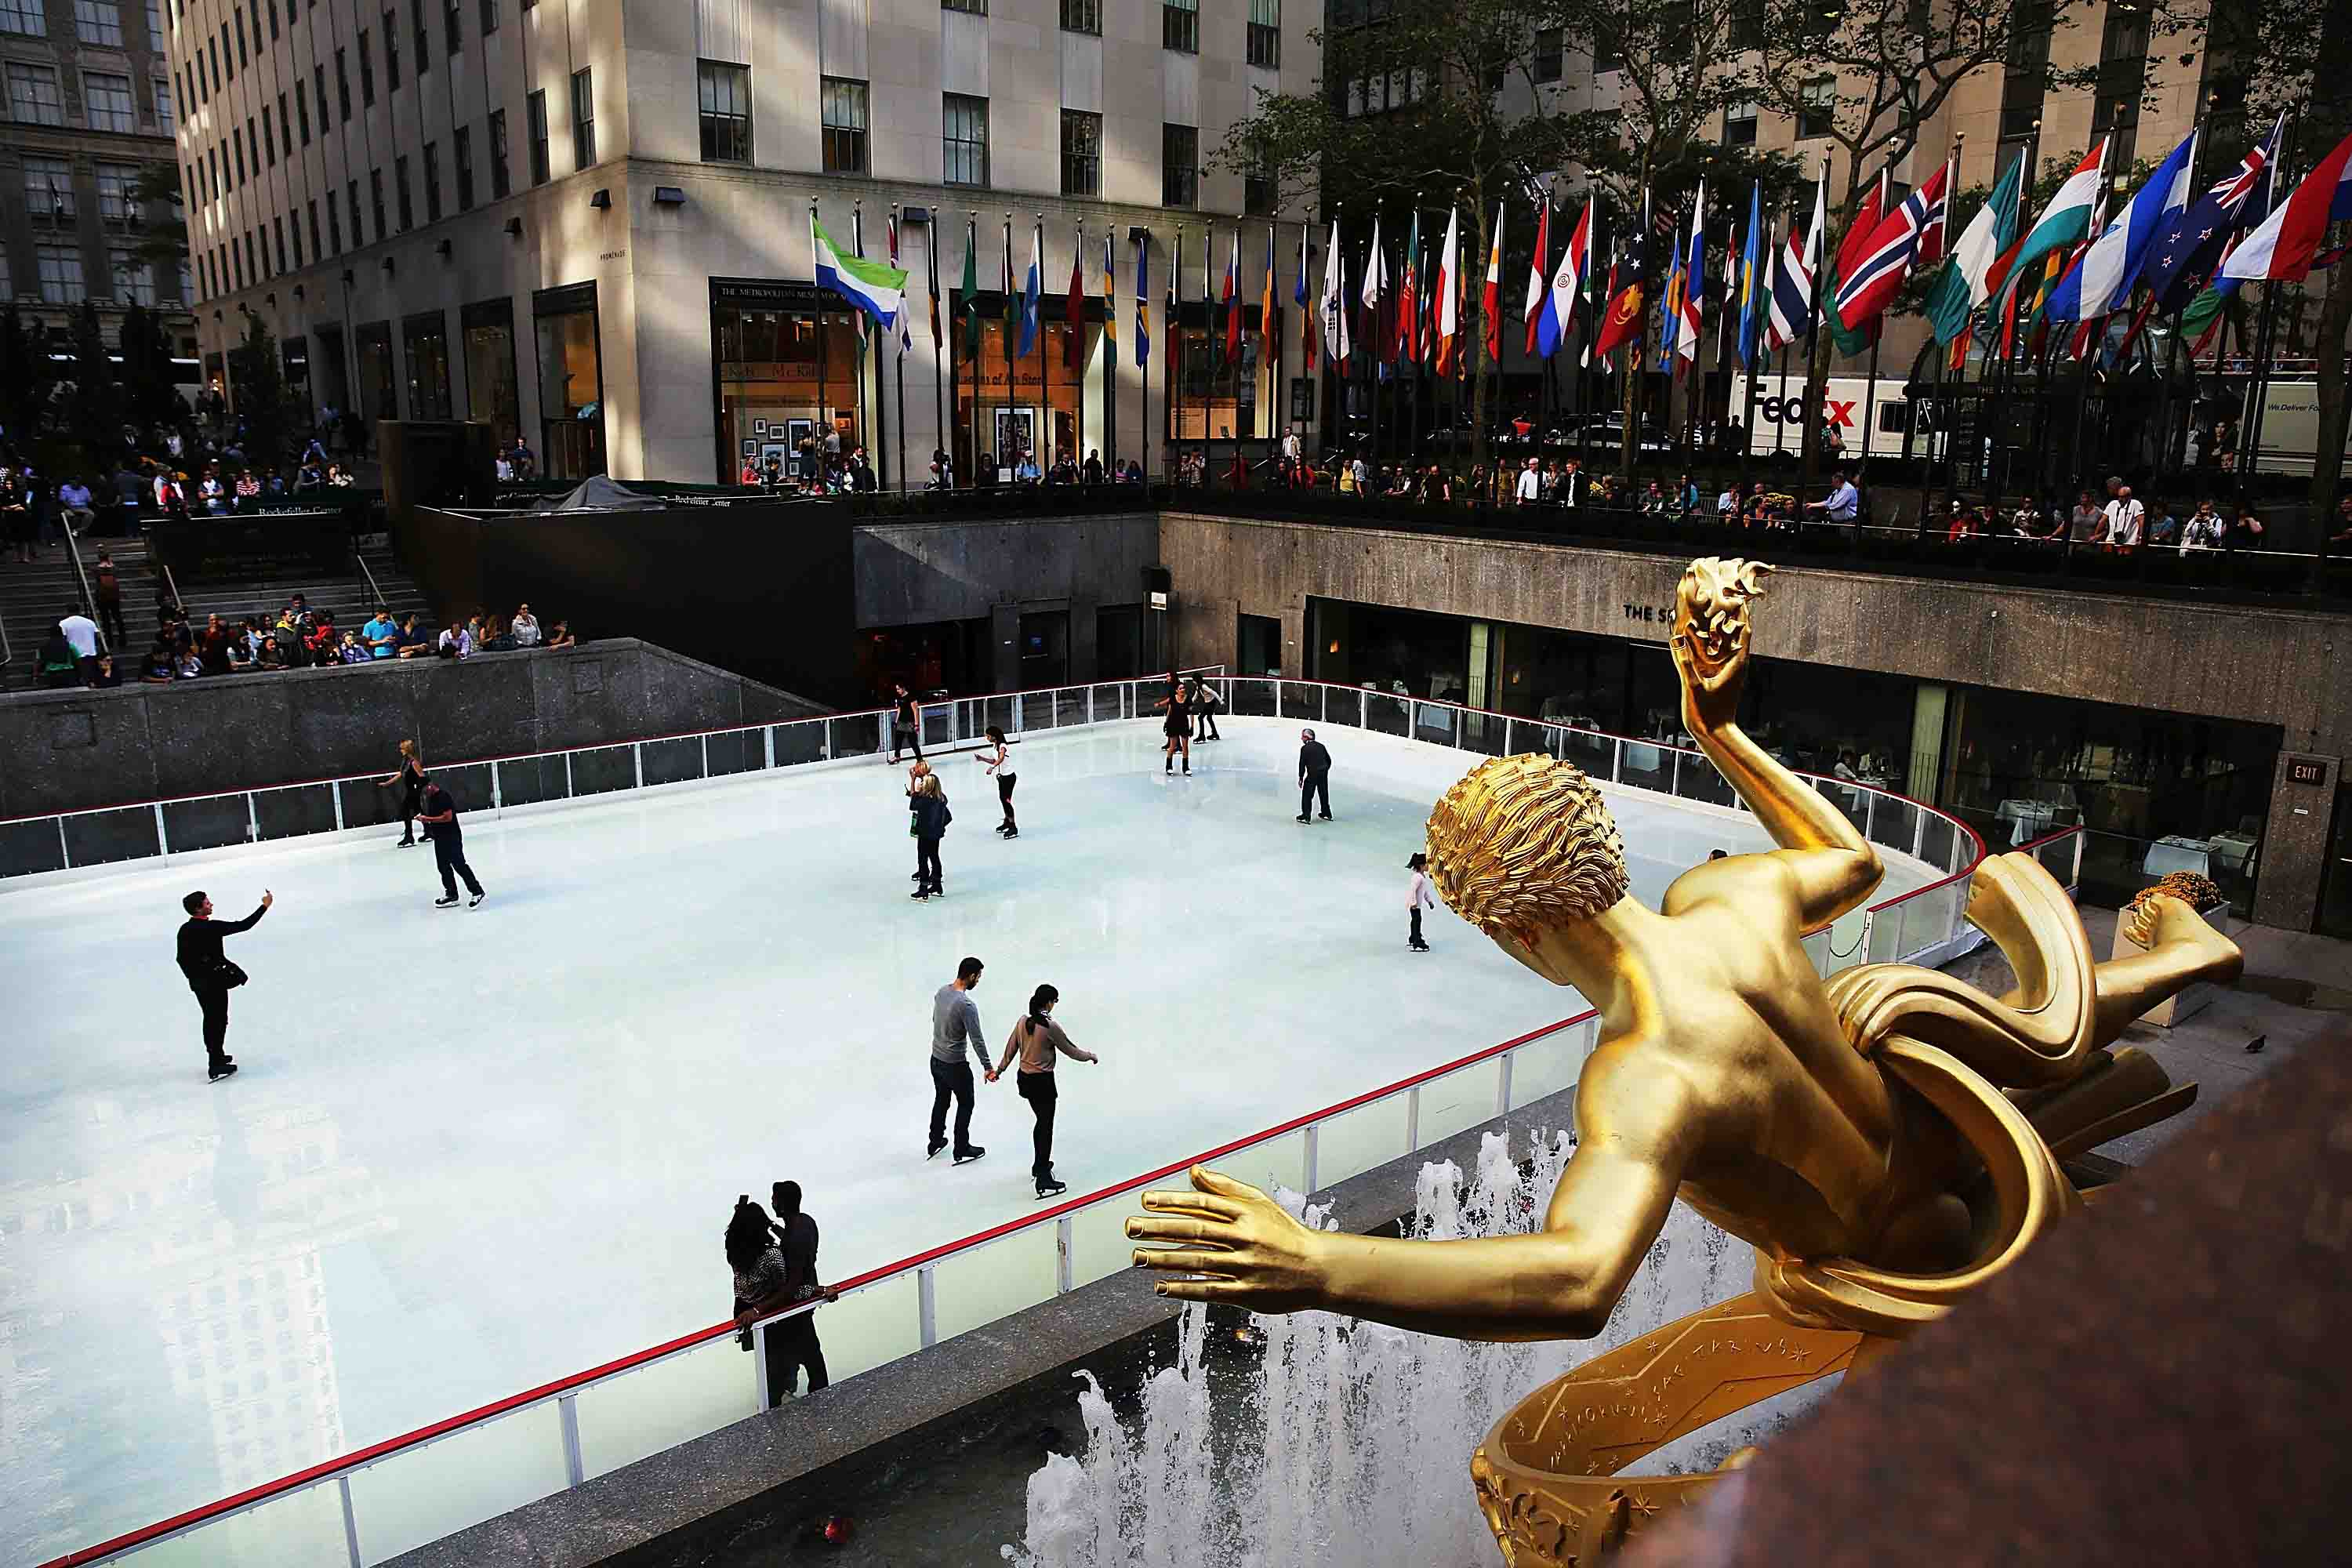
point(1670, 311)
point(1966, 282)
point(1624, 318)
point(1793, 272)
point(932, 266)
point(1369, 292)
point(1144, 301)
point(1694, 280)
point(1266, 353)
point(1110, 301)
point(1934, 234)
point(1232, 297)
point(1852, 251)
point(971, 289)
point(2186, 248)
point(1445, 298)
point(1074, 307)
point(2103, 280)
point(2282, 249)
point(1538, 285)
point(906, 328)
point(1012, 298)
point(2064, 220)
point(2203, 317)
point(1868, 284)
point(1336, 347)
point(1407, 346)
point(1590, 296)
point(1559, 309)
point(1751, 283)
point(1033, 291)
point(1298, 298)
point(875, 287)
point(1490, 301)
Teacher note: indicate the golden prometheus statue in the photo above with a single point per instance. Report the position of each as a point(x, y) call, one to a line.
point(1886, 1140)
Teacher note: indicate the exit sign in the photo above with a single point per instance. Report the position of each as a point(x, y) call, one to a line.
point(2305, 771)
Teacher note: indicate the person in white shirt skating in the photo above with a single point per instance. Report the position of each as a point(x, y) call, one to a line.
point(1420, 899)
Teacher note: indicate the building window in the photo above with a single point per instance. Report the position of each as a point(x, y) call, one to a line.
point(296, 230)
point(583, 119)
point(61, 268)
point(461, 153)
point(973, 7)
point(488, 330)
point(343, 85)
point(335, 223)
point(535, 123)
point(1081, 154)
point(98, 22)
point(1257, 192)
point(1747, 25)
point(489, 17)
point(726, 98)
point(367, 72)
point(1180, 165)
point(118, 186)
point(48, 191)
point(375, 202)
point(1082, 17)
point(844, 116)
point(426, 337)
point(269, 137)
point(500, 181)
point(453, 23)
point(352, 204)
point(1739, 125)
point(1266, 33)
point(423, 39)
point(571, 383)
point(1545, 67)
point(272, 6)
point(1179, 26)
point(302, 103)
point(134, 280)
point(242, 60)
point(432, 185)
point(250, 148)
point(33, 95)
point(1817, 109)
point(185, 282)
point(317, 254)
point(23, 17)
point(400, 187)
point(278, 243)
point(105, 100)
point(164, 118)
point(964, 140)
point(391, 51)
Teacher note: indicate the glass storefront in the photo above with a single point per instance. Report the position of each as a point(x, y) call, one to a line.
point(427, 338)
point(786, 372)
point(570, 382)
point(378, 389)
point(490, 389)
point(1038, 404)
point(1214, 400)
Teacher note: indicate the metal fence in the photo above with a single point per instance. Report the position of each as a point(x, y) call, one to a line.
point(390, 1497)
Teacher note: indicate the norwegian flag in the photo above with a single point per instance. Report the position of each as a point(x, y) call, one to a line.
point(1885, 259)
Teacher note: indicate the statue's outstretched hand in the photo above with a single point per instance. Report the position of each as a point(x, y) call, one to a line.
point(1250, 1251)
point(1711, 636)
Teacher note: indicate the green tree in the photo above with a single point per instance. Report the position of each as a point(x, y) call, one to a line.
point(94, 410)
point(26, 377)
point(259, 388)
point(162, 216)
point(149, 397)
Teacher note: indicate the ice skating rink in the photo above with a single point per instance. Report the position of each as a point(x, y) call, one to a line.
point(473, 1151)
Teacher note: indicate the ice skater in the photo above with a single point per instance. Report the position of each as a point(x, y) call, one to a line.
point(211, 975)
point(915, 776)
point(1314, 774)
point(440, 819)
point(1205, 702)
point(994, 761)
point(1039, 1039)
point(1178, 728)
point(1420, 899)
point(410, 777)
point(931, 819)
point(906, 722)
point(955, 1027)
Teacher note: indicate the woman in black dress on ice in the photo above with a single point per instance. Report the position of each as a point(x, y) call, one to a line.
point(410, 777)
point(1179, 727)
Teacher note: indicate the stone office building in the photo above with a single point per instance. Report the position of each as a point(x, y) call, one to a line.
point(588, 221)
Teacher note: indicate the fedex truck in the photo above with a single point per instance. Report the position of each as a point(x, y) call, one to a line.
point(2290, 426)
point(1776, 421)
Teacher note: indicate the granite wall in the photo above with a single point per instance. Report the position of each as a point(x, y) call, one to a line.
point(72, 749)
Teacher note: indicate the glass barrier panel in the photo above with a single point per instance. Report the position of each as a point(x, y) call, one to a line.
point(1845, 941)
point(1885, 936)
point(998, 711)
point(1846, 797)
point(1252, 699)
point(1009, 1275)
point(622, 1419)
point(1301, 700)
point(1940, 842)
point(938, 720)
point(1354, 1142)
point(1386, 713)
point(1110, 702)
point(1276, 1162)
point(1596, 754)
point(1344, 705)
point(1484, 733)
point(1463, 1098)
point(211, 822)
point(305, 1527)
point(1098, 1244)
point(1436, 723)
point(422, 1494)
point(877, 1324)
point(525, 780)
point(856, 735)
point(599, 770)
point(1069, 706)
point(2059, 858)
point(735, 752)
point(294, 813)
point(30, 846)
point(1549, 1064)
point(1035, 710)
point(468, 785)
point(672, 761)
point(366, 805)
point(1697, 778)
point(801, 742)
point(1893, 822)
point(1817, 948)
point(1641, 764)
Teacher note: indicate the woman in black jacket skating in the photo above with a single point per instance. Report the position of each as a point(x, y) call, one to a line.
point(931, 819)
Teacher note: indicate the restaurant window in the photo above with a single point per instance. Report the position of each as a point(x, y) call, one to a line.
point(1817, 108)
point(570, 382)
point(461, 152)
point(1739, 125)
point(964, 140)
point(1081, 154)
point(535, 125)
point(583, 119)
point(501, 176)
point(1179, 26)
point(1266, 33)
point(427, 338)
point(490, 383)
point(1082, 17)
point(1180, 165)
point(787, 372)
point(726, 114)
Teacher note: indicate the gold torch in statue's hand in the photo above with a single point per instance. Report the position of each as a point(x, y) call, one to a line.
point(1245, 1249)
point(1710, 639)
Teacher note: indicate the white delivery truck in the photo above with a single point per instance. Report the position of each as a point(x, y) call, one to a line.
point(1776, 421)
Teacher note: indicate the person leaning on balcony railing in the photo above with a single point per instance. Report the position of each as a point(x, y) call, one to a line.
point(2245, 531)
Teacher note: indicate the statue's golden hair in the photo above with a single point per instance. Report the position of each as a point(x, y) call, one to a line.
point(1526, 842)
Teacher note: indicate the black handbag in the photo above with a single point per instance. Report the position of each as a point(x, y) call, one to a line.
point(231, 976)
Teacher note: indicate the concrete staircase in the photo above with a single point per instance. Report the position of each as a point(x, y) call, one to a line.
point(347, 596)
point(32, 598)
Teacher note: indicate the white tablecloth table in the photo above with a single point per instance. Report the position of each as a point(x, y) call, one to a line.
point(2179, 854)
point(2031, 818)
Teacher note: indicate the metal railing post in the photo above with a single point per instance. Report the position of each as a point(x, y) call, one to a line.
point(497, 791)
point(1869, 814)
point(706, 756)
point(1090, 707)
point(351, 1520)
point(1314, 1129)
point(65, 850)
point(1503, 1085)
point(1616, 760)
point(1363, 708)
point(252, 819)
point(162, 839)
point(567, 776)
point(927, 1306)
point(567, 1411)
point(767, 746)
point(1918, 831)
point(1413, 1119)
point(638, 761)
point(760, 1367)
point(1061, 1256)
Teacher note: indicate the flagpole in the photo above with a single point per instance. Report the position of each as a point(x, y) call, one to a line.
point(940, 350)
point(1780, 421)
point(2083, 465)
point(2250, 442)
point(1078, 265)
point(865, 414)
point(1171, 384)
point(1817, 296)
point(1927, 465)
point(896, 224)
point(972, 308)
point(1751, 350)
point(1110, 352)
point(1143, 366)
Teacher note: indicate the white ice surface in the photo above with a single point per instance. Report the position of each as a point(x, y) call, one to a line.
point(471, 1151)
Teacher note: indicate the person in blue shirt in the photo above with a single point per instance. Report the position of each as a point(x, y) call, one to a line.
point(380, 633)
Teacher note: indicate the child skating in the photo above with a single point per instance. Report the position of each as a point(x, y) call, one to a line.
point(1419, 898)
